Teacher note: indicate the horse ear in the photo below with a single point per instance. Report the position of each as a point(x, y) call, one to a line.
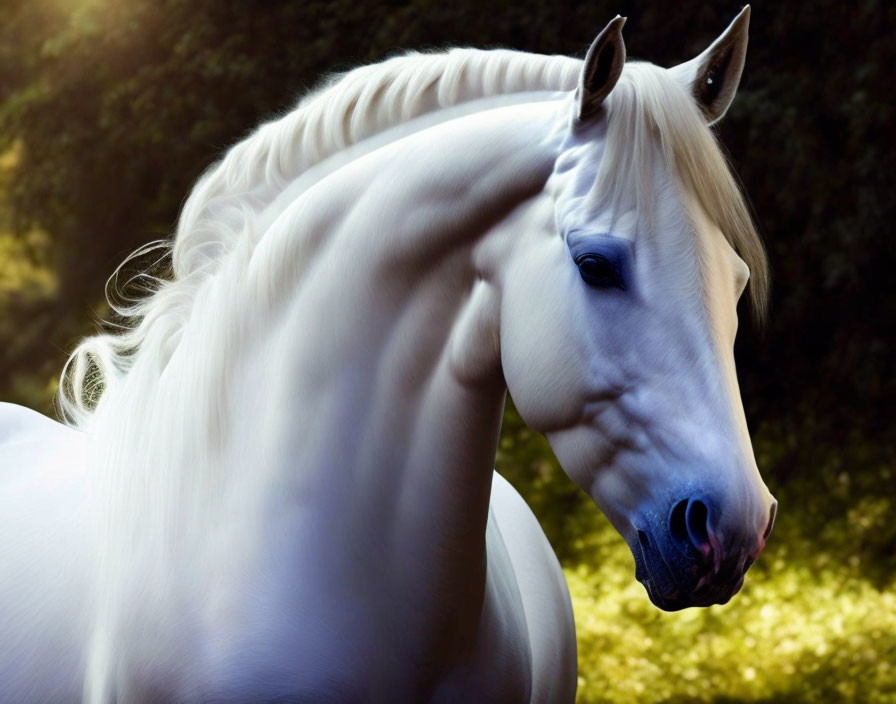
point(712, 78)
point(603, 65)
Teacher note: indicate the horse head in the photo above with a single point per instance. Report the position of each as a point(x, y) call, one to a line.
point(619, 316)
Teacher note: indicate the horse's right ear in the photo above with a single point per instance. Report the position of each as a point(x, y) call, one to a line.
point(712, 78)
point(603, 66)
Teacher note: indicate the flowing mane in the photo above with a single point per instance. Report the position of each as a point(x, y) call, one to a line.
point(351, 108)
point(222, 212)
point(222, 208)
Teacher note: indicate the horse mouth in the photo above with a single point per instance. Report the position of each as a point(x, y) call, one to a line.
point(656, 577)
point(674, 590)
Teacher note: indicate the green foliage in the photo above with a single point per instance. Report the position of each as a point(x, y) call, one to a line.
point(815, 622)
point(794, 634)
point(27, 283)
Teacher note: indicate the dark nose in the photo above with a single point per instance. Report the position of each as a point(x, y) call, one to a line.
point(687, 560)
point(688, 524)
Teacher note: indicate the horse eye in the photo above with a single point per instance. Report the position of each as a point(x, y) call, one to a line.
point(597, 271)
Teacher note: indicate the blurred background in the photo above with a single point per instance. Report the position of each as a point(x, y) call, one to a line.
point(110, 109)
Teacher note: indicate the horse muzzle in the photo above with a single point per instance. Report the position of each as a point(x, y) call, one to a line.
point(683, 561)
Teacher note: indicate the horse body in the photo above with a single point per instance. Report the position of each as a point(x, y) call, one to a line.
point(249, 662)
point(290, 483)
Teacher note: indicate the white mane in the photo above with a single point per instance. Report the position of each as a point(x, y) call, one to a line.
point(355, 106)
point(223, 208)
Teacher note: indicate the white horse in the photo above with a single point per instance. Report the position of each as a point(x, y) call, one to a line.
point(277, 484)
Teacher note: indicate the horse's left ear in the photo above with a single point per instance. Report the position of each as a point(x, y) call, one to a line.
point(712, 78)
point(602, 68)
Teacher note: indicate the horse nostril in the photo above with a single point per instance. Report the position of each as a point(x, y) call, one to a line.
point(688, 523)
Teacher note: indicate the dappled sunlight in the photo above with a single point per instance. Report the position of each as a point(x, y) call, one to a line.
point(29, 285)
point(813, 623)
point(25, 272)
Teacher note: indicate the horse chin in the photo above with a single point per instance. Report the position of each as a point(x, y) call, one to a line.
point(673, 590)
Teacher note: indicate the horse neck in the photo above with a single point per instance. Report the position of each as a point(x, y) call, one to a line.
point(388, 386)
point(343, 379)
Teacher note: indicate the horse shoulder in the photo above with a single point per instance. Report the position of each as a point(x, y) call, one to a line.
point(525, 650)
point(543, 592)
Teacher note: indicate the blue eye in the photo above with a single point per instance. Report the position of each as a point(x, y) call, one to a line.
point(598, 271)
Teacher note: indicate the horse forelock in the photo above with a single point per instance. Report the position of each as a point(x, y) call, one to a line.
point(649, 108)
